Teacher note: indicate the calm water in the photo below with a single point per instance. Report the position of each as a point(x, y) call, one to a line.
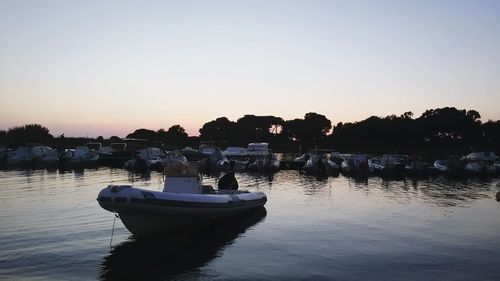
point(52, 228)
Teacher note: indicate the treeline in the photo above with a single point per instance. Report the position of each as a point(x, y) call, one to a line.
point(441, 131)
point(174, 137)
point(437, 131)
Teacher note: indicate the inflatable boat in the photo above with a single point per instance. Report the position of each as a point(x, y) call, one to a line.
point(184, 202)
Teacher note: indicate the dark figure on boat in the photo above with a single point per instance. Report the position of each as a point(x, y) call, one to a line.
point(228, 181)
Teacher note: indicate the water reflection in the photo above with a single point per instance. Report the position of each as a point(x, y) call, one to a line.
point(269, 177)
point(444, 192)
point(432, 191)
point(79, 173)
point(161, 257)
point(139, 176)
point(436, 191)
point(360, 180)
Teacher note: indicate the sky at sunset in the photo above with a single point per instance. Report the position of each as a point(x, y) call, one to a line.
point(109, 67)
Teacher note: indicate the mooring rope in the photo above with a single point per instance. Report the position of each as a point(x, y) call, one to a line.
point(113, 231)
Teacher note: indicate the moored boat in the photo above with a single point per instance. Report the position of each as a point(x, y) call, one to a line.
point(320, 164)
point(80, 156)
point(388, 164)
point(478, 168)
point(32, 155)
point(184, 202)
point(21, 156)
point(237, 157)
point(149, 158)
point(215, 159)
point(416, 165)
point(261, 158)
point(480, 162)
point(356, 164)
point(264, 163)
point(173, 157)
point(449, 166)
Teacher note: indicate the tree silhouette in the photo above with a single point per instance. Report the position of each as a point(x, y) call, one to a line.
point(317, 124)
point(115, 139)
point(218, 129)
point(296, 129)
point(3, 137)
point(490, 131)
point(144, 134)
point(257, 128)
point(31, 133)
point(449, 123)
point(176, 134)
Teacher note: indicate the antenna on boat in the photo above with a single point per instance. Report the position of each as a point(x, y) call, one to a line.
point(164, 172)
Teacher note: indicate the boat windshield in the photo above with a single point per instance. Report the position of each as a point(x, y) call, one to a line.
point(181, 169)
point(118, 146)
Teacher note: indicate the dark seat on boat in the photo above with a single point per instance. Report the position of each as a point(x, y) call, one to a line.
point(228, 181)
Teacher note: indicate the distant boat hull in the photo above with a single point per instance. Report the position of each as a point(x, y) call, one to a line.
point(320, 167)
point(480, 168)
point(271, 166)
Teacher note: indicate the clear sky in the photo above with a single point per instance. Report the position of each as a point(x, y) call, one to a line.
point(109, 67)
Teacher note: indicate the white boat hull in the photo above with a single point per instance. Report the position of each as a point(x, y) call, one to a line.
point(146, 212)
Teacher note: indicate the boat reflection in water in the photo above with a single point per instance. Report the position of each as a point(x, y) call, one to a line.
point(165, 256)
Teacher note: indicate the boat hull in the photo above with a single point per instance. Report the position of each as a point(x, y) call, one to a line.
point(149, 224)
point(146, 212)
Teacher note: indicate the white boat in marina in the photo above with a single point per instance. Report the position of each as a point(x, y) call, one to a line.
point(192, 154)
point(21, 156)
point(481, 156)
point(44, 156)
point(238, 157)
point(320, 164)
point(215, 159)
point(387, 164)
point(448, 166)
point(480, 168)
point(336, 157)
point(235, 151)
point(146, 158)
point(258, 148)
point(261, 158)
point(356, 164)
point(173, 157)
point(416, 166)
point(480, 163)
point(184, 202)
point(117, 153)
point(32, 155)
point(82, 155)
point(264, 163)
